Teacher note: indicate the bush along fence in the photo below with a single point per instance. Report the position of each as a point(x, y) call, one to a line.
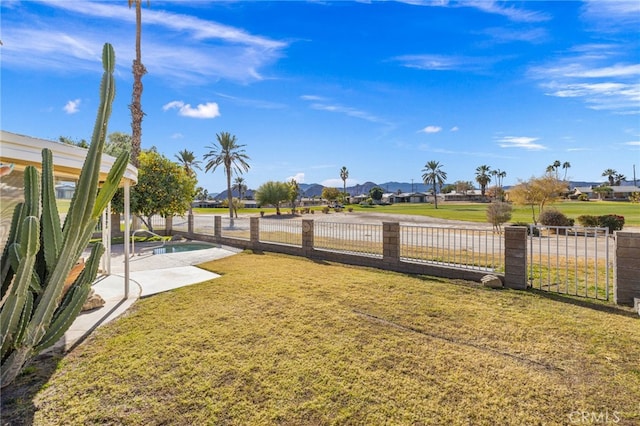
point(468, 254)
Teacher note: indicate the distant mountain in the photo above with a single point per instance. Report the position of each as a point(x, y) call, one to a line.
point(315, 189)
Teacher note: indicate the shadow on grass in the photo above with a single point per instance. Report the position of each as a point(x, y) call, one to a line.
point(17, 398)
point(601, 306)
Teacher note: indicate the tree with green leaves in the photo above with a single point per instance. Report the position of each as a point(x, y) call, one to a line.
point(273, 193)
point(344, 175)
point(376, 193)
point(117, 143)
point(136, 97)
point(294, 193)
point(164, 188)
point(434, 175)
point(231, 156)
point(330, 194)
point(82, 143)
point(483, 177)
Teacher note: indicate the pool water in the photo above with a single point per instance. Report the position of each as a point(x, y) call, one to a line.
point(179, 248)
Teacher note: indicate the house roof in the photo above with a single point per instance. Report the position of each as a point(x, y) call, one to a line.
point(23, 151)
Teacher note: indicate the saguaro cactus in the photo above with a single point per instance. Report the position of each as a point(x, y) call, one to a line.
point(39, 253)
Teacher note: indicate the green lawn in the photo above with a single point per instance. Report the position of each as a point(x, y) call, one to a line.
point(289, 341)
point(476, 212)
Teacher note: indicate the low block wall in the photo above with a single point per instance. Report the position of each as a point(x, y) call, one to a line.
point(627, 268)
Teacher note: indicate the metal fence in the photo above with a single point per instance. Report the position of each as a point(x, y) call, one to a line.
point(357, 238)
point(281, 231)
point(236, 228)
point(571, 260)
point(477, 249)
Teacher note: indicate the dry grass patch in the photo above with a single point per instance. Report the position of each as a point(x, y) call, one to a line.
point(284, 340)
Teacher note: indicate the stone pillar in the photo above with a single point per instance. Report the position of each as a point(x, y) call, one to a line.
point(515, 257)
point(627, 268)
point(217, 227)
point(391, 242)
point(307, 237)
point(168, 225)
point(254, 231)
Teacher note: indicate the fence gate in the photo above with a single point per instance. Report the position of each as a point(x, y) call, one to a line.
point(570, 260)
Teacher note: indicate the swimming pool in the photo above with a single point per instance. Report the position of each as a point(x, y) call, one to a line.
point(182, 247)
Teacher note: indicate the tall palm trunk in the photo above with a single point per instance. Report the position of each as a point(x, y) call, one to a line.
point(136, 105)
point(229, 195)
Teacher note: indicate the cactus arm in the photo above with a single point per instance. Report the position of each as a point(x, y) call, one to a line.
point(85, 195)
point(5, 263)
point(51, 230)
point(73, 300)
point(13, 307)
point(31, 192)
point(24, 320)
point(110, 186)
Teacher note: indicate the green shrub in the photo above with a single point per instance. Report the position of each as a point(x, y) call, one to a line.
point(612, 221)
point(553, 217)
point(588, 220)
point(583, 197)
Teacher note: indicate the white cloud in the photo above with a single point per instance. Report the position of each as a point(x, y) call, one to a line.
point(454, 129)
point(601, 75)
point(511, 12)
point(177, 136)
point(207, 50)
point(434, 62)
point(633, 143)
point(298, 177)
point(333, 183)
point(72, 106)
point(313, 98)
point(349, 111)
point(208, 110)
point(522, 142)
point(432, 129)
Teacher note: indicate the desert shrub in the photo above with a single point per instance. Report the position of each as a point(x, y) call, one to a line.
point(553, 217)
point(588, 220)
point(498, 213)
point(612, 221)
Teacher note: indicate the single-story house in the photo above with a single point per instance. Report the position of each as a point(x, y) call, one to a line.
point(618, 192)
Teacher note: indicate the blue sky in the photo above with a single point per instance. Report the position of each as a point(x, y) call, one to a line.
point(309, 87)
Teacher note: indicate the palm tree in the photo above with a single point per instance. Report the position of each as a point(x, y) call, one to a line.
point(432, 175)
point(136, 97)
point(619, 178)
point(188, 161)
point(499, 175)
point(482, 177)
point(238, 183)
point(231, 156)
point(566, 165)
point(610, 174)
point(344, 175)
point(553, 168)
